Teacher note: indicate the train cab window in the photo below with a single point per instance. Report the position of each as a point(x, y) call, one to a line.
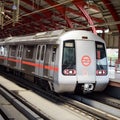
point(101, 59)
point(13, 50)
point(29, 52)
point(69, 58)
point(43, 52)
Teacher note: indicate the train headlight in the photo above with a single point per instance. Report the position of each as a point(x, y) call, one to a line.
point(69, 72)
point(101, 72)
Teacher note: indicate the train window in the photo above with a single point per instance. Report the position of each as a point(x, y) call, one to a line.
point(29, 51)
point(13, 51)
point(53, 53)
point(6, 50)
point(38, 52)
point(69, 58)
point(101, 59)
point(2, 50)
point(18, 53)
point(42, 52)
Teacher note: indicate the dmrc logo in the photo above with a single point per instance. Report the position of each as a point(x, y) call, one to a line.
point(86, 60)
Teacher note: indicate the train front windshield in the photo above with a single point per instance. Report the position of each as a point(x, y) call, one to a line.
point(69, 58)
point(101, 59)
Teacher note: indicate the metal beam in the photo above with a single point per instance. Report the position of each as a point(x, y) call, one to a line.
point(45, 14)
point(76, 12)
point(80, 6)
point(113, 12)
point(61, 9)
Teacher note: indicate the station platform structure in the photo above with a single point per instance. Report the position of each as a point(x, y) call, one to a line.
point(114, 75)
point(113, 88)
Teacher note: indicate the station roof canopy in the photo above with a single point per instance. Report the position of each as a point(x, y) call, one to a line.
point(22, 17)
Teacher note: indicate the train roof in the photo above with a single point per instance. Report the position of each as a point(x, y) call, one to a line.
point(52, 37)
point(49, 36)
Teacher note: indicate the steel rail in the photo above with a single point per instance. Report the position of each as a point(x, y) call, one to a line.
point(22, 106)
point(76, 105)
point(97, 108)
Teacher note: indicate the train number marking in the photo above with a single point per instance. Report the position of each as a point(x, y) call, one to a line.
point(86, 60)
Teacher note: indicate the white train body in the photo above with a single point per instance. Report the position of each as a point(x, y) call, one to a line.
point(69, 61)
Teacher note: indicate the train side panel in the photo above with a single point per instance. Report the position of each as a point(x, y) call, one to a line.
point(28, 61)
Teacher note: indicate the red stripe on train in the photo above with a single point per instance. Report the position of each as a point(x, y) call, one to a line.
point(31, 64)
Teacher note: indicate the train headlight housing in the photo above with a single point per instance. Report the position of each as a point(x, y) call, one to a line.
point(69, 72)
point(101, 72)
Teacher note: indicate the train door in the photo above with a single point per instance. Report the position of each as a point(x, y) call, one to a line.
point(19, 56)
point(40, 59)
point(86, 61)
point(2, 49)
point(6, 53)
point(12, 56)
point(52, 60)
point(49, 62)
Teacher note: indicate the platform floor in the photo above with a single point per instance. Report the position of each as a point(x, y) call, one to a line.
point(55, 110)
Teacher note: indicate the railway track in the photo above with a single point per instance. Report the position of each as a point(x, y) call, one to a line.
point(104, 98)
point(22, 106)
point(108, 111)
point(50, 97)
point(3, 116)
point(72, 104)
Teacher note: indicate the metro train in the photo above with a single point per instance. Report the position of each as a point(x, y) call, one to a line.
point(62, 61)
